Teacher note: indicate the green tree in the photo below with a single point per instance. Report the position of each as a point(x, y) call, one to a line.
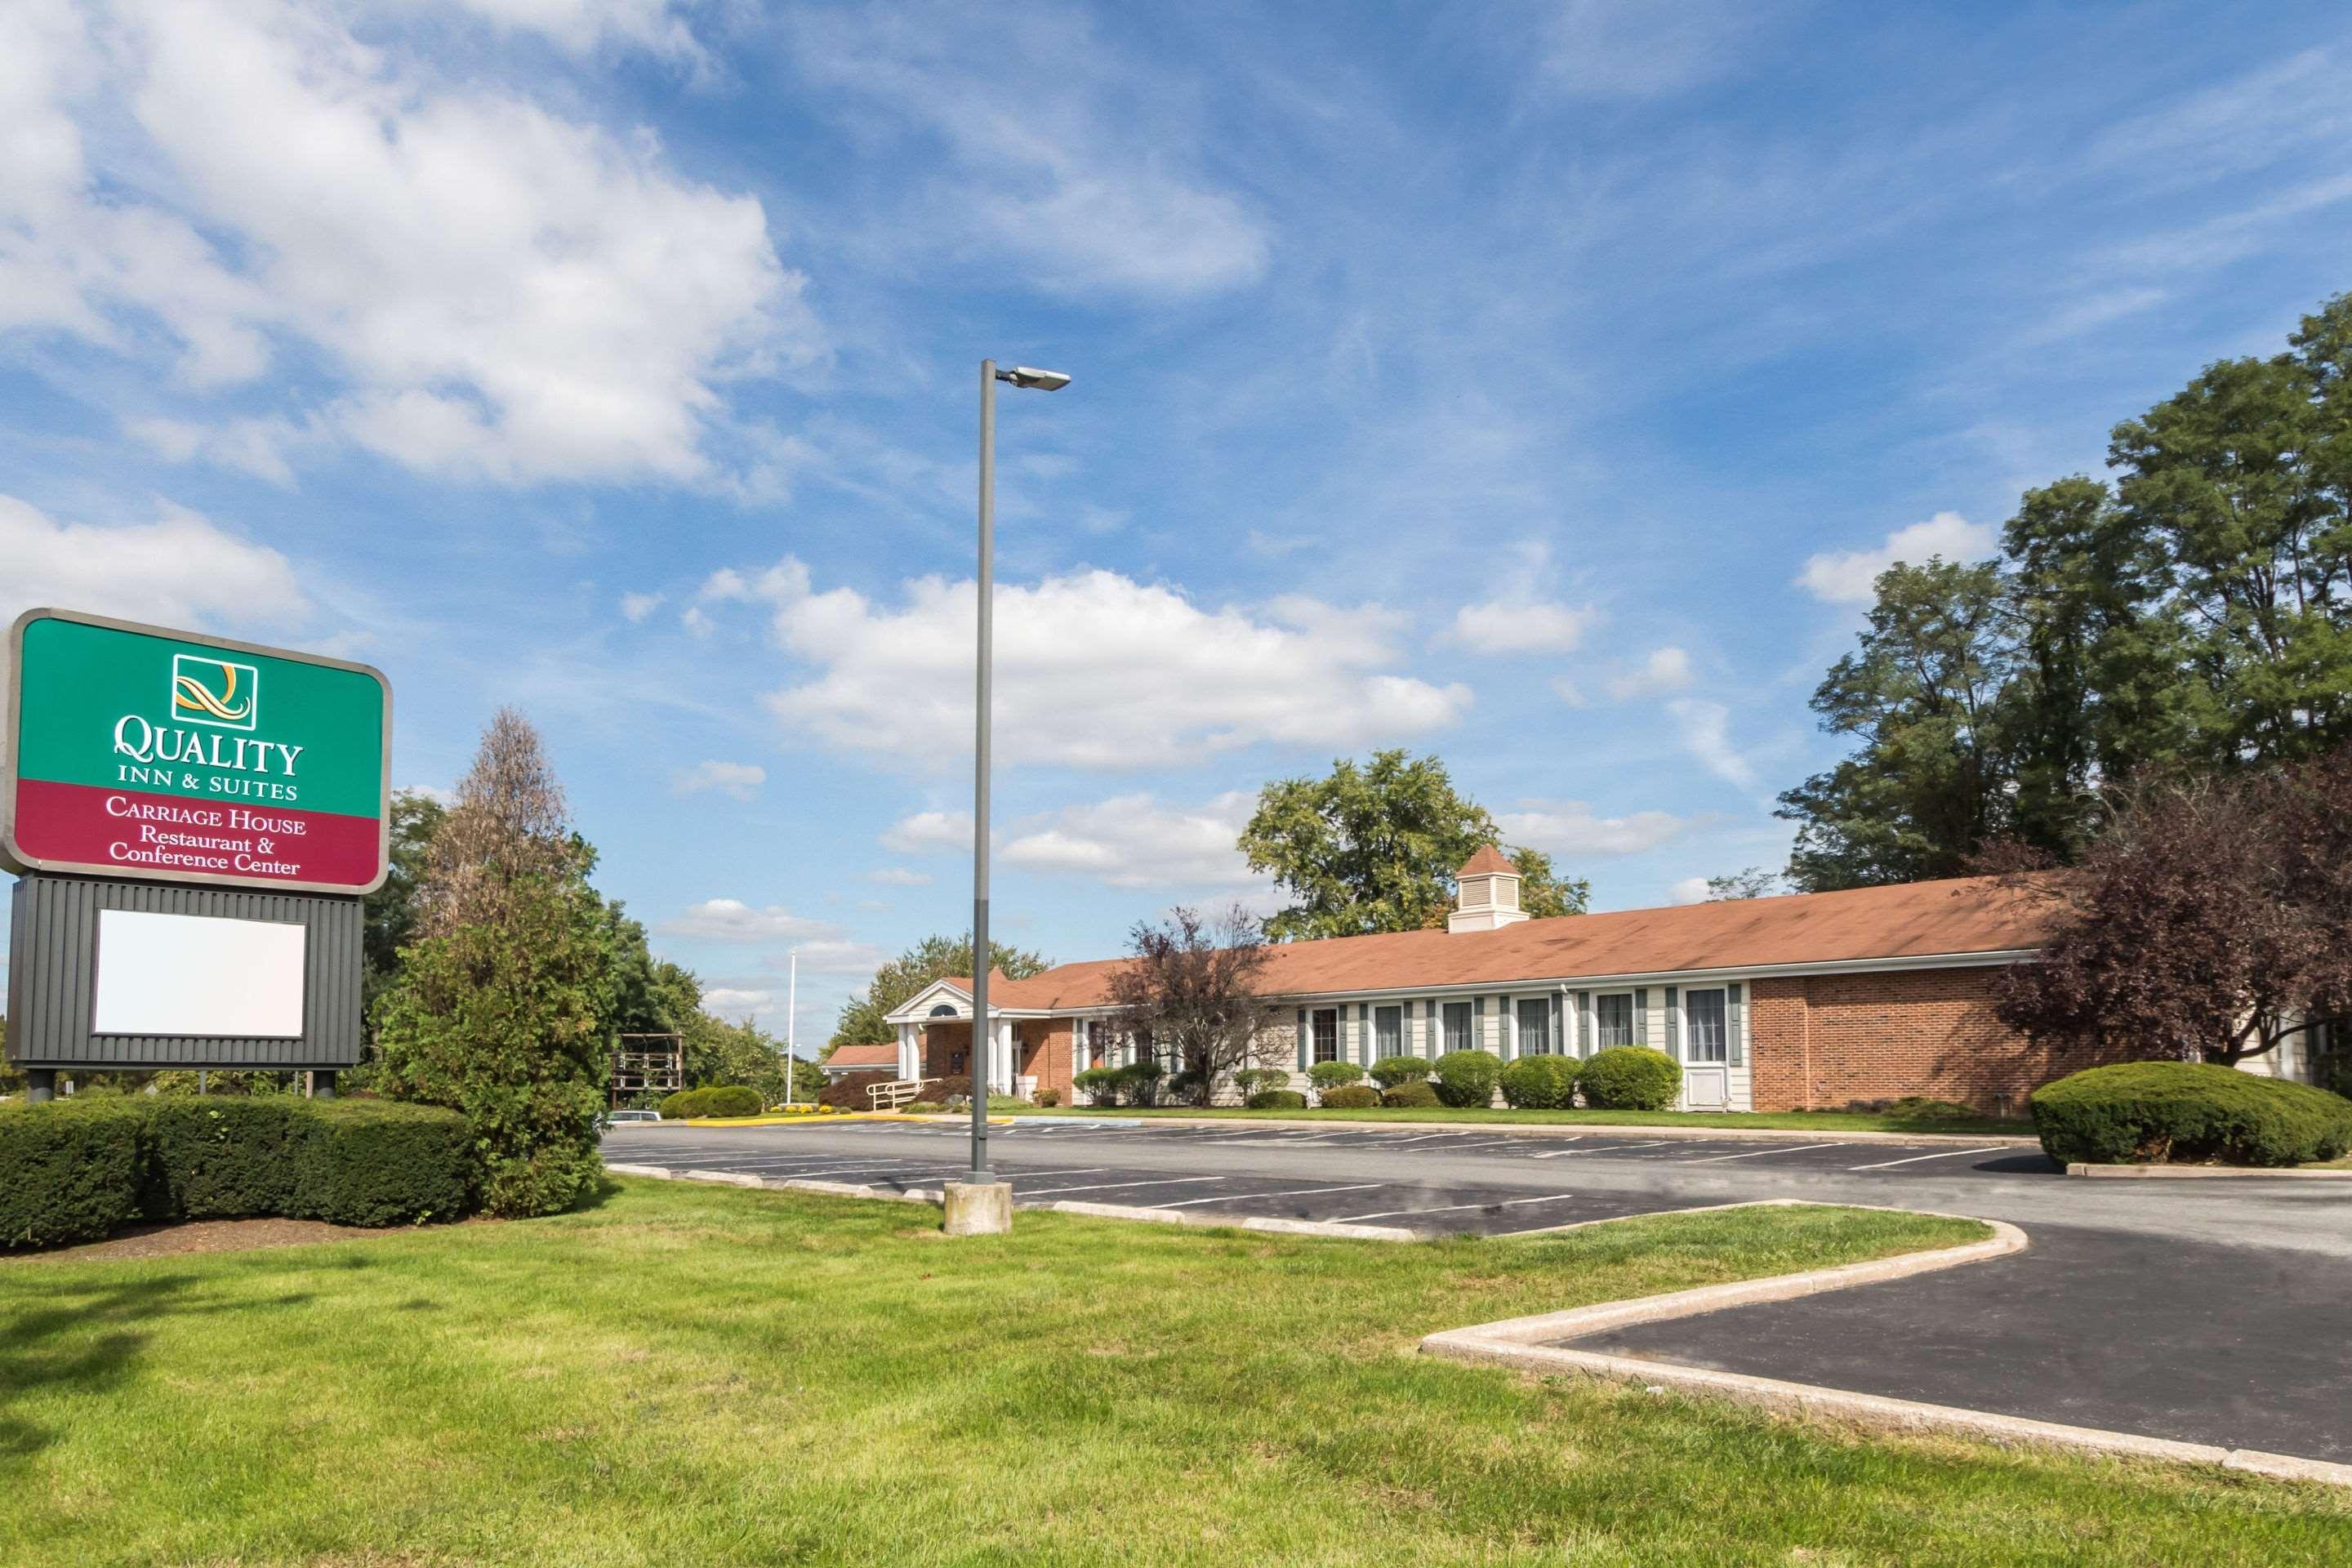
point(1373, 847)
point(1924, 697)
point(2198, 613)
point(391, 912)
point(503, 1007)
point(1749, 882)
point(933, 958)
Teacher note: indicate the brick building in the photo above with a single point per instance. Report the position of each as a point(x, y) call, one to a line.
point(1810, 1001)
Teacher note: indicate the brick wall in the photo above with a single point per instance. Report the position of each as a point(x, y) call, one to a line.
point(947, 1049)
point(1046, 1053)
point(1823, 1041)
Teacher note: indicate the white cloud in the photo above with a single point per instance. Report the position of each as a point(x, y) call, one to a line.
point(836, 956)
point(1568, 691)
point(493, 291)
point(180, 570)
point(1049, 148)
point(1689, 890)
point(1705, 732)
point(580, 26)
point(1093, 669)
point(1847, 576)
point(1521, 619)
point(928, 831)
point(900, 877)
point(1133, 841)
point(635, 607)
point(1636, 49)
point(740, 780)
point(728, 1002)
point(1569, 827)
point(731, 920)
point(1667, 669)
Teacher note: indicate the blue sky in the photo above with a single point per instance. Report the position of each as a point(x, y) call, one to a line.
point(1534, 385)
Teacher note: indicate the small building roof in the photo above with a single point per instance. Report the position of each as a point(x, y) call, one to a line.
point(1487, 859)
point(863, 1057)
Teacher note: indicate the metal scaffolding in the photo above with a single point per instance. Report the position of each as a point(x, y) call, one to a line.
point(641, 1067)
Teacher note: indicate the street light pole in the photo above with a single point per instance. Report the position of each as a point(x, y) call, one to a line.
point(792, 1033)
point(983, 1030)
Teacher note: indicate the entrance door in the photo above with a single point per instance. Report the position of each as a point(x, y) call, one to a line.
point(1706, 1050)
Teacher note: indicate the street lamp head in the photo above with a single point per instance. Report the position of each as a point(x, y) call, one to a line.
point(1035, 380)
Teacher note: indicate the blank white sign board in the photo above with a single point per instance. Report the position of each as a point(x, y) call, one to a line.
point(198, 974)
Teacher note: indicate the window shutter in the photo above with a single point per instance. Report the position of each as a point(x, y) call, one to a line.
point(1735, 1022)
point(1674, 1023)
point(1303, 1047)
point(1640, 1015)
point(1584, 1022)
point(1477, 1023)
point(1558, 1014)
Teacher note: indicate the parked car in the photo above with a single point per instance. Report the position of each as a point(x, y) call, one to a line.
point(618, 1117)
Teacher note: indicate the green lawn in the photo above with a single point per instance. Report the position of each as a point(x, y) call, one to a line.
point(1767, 1120)
point(686, 1375)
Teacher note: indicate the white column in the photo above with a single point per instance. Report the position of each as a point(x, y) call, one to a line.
point(907, 1064)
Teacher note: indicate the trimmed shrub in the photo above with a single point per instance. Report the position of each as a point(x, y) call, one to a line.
point(685, 1103)
point(375, 1162)
point(1349, 1097)
point(1412, 1094)
point(1334, 1075)
point(1277, 1100)
point(1101, 1086)
point(848, 1093)
point(1249, 1080)
point(1630, 1077)
point(1919, 1107)
point(1049, 1098)
point(70, 1171)
point(1391, 1072)
point(74, 1171)
point(2189, 1113)
point(1468, 1077)
point(731, 1099)
point(1539, 1083)
point(939, 1091)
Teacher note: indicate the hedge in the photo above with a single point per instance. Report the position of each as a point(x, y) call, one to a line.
point(1630, 1077)
point(75, 1169)
point(1277, 1100)
point(718, 1100)
point(1413, 1093)
point(1391, 1072)
point(1351, 1097)
point(2189, 1113)
point(1467, 1077)
point(1334, 1075)
point(1540, 1083)
point(848, 1093)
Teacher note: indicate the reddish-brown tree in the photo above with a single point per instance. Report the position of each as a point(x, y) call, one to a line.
point(1191, 990)
point(2209, 922)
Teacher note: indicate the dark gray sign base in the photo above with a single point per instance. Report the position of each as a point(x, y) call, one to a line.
point(53, 978)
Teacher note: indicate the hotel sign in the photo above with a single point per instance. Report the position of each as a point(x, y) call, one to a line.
point(131, 751)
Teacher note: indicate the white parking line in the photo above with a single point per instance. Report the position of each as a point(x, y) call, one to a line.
point(1603, 1148)
point(1106, 1186)
point(1760, 1153)
point(1449, 1208)
point(1938, 1154)
point(1490, 1143)
point(1266, 1198)
point(1426, 1137)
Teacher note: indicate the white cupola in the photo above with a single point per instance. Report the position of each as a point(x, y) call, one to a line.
point(1487, 893)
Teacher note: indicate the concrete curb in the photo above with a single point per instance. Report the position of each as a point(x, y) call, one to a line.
point(1567, 1129)
point(1521, 1345)
point(2202, 1173)
point(1095, 1211)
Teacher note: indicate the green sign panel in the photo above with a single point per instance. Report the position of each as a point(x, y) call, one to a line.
point(132, 751)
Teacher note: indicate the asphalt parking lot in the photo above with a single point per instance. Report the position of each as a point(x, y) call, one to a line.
point(1416, 1179)
point(2210, 1312)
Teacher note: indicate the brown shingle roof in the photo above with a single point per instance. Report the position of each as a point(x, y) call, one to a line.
point(1488, 859)
point(1918, 920)
point(863, 1056)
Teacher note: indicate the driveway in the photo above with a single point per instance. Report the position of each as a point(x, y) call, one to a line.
point(2209, 1311)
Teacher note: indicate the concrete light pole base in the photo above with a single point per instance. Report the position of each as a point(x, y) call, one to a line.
point(979, 1208)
